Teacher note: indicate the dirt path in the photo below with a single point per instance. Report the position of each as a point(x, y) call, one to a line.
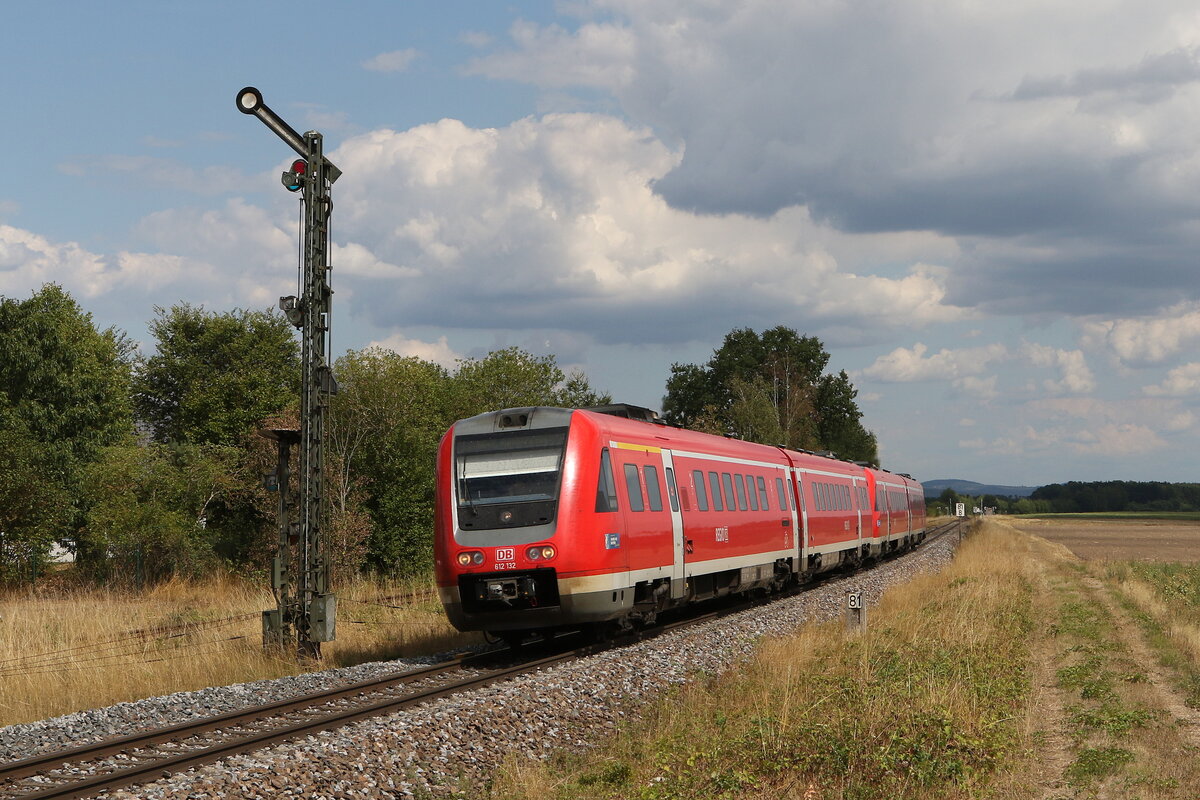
point(1186, 718)
point(1050, 701)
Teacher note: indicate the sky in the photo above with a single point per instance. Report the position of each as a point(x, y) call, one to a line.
point(988, 212)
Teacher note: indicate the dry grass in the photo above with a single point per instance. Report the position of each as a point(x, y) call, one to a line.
point(1163, 600)
point(67, 649)
point(923, 705)
point(1011, 675)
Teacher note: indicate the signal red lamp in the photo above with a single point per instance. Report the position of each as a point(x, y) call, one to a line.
point(294, 178)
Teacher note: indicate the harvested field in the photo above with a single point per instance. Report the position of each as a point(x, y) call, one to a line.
point(1120, 540)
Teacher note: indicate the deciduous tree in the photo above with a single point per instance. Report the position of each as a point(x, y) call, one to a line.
point(63, 398)
point(215, 376)
point(779, 368)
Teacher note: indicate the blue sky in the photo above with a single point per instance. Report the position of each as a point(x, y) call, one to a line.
point(990, 215)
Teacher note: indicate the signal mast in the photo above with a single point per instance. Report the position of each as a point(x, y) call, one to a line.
point(306, 609)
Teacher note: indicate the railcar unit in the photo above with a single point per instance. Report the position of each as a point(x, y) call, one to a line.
point(550, 518)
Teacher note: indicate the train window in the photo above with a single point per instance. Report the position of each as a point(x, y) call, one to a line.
point(846, 498)
point(741, 490)
point(510, 467)
point(764, 499)
point(634, 488)
point(816, 493)
point(672, 495)
point(653, 489)
point(606, 488)
point(750, 495)
point(782, 497)
point(701, 491)
point(730, 499)
point(715, 484)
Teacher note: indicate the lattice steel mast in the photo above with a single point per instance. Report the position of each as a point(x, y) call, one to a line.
point(300, 578)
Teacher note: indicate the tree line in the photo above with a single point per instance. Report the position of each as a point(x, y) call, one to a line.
point(1084, 497)
point(148, 466)
point(945, 502)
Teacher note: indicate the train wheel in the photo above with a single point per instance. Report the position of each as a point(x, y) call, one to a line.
point(513, 640)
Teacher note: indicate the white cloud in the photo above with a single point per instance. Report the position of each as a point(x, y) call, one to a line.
point(904, 365)
point(1077, 377)
point(983, 388)
point(438, 352)
point(1118, 440)
point(1178, 423)
point(1056, 160)
point(554, 223)
point(596, 55)
point(1142, 340)
point(394, 61)
point(1181, 381)
point(354, 259)
point(28, 260)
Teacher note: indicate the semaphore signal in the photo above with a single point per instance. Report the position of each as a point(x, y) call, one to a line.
point(300, 574)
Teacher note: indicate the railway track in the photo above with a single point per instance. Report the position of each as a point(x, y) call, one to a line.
point(88, 769)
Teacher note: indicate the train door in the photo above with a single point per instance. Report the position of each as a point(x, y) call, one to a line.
point(794, 532)
point(908, 497)
point(856, 489)
point(678, 582)
point(802, 510)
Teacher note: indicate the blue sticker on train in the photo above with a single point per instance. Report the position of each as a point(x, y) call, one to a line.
point(612, 541)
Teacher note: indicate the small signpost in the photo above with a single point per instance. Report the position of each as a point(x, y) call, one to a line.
point(856, 612)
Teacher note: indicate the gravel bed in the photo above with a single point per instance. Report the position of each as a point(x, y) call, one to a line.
point(459, 740)
point(84, 727)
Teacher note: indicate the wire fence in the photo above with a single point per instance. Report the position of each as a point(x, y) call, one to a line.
point(166, 642)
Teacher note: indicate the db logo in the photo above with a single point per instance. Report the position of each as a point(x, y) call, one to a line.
point(506, 554)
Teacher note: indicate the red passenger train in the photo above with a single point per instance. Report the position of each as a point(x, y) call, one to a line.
point(551, 518)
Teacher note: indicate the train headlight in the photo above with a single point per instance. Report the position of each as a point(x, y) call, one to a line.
point(540, 552)
point(467, 558)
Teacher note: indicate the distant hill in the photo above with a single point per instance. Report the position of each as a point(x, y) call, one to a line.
point(935, 488)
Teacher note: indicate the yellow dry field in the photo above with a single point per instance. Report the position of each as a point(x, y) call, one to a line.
point(65, 649)
point(1119, 540)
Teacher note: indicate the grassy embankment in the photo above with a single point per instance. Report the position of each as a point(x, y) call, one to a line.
point(66, 649)
point(1001, 677)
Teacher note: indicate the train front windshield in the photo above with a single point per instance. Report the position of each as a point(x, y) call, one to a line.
point(517, 467)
